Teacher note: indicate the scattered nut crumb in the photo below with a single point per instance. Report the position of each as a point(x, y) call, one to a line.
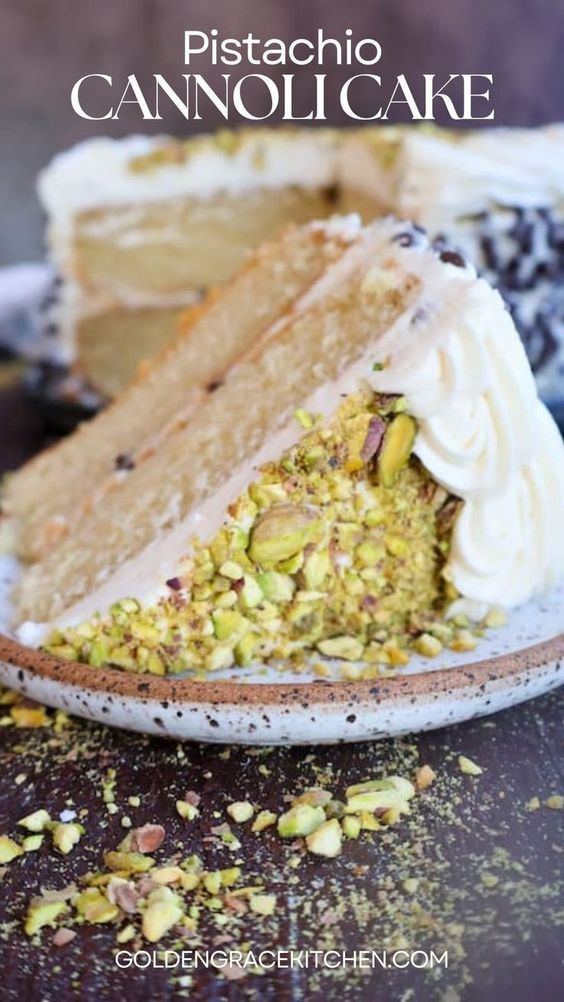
point(468, 767)
point(424, 777)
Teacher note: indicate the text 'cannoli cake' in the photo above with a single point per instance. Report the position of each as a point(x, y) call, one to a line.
point(376, 460)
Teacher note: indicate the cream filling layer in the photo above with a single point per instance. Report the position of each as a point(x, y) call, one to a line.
point(98, 172)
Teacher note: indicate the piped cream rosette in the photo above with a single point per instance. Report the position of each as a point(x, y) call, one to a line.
point(483, 435)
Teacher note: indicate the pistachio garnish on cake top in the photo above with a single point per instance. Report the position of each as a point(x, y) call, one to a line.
point(376, 461)
point(337, 547)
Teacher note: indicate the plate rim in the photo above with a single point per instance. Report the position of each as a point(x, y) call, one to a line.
point(116, 682)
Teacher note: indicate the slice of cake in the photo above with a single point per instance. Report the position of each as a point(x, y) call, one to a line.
point(139, 227)
point(101, 454)
point(377, 454)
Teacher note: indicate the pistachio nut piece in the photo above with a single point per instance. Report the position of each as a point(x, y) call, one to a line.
point(300, 820)
point(281, 532)
point(396, 448)
point(326, 840)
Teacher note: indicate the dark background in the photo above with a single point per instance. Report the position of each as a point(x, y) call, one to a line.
point(45, 47)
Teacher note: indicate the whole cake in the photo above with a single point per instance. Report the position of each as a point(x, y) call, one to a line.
point(139, 228)
point(375, 461)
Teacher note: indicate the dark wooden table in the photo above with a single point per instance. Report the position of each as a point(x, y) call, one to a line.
point(486, 858)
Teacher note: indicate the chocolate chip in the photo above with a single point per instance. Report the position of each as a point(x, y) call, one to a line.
point(174, 583)
point(214, 385)
point(331, 193)
point(124, 461)
point(522, 255)
point(404, 239)
point(410, 237)
point(419, 315)
point(453, 257)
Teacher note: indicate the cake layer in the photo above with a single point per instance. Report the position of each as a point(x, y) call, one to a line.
point(112, 344)
point(158, 254)
point(45, 503)
point(391, 314)
point(150, 252)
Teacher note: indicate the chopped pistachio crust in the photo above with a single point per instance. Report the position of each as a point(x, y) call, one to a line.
point(339, 547)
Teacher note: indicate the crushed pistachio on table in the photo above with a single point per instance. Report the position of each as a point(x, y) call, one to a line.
point(198, 867)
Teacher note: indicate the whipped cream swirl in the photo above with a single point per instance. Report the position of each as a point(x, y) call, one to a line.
point(482, 433)
point(510, 547)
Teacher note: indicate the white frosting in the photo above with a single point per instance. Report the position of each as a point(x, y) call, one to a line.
point(434, 177)
point(482, 433)
point(466, 378)
point(97, 173)
point(441, 177)
point(454, 172)
point(513, 544)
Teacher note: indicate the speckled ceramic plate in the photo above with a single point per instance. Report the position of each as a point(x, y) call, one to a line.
point(260, 706)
